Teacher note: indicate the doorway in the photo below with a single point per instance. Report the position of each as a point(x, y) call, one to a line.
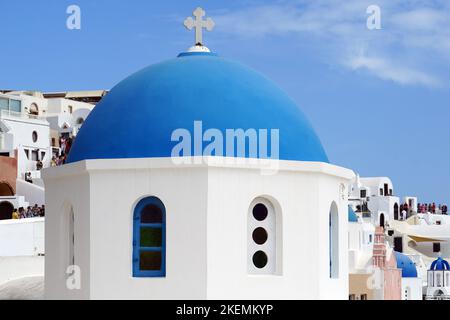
point(398, 244)
point(6, 210)
point(382, 220)
point(396, 211)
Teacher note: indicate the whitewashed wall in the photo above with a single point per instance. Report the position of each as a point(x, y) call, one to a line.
point(414, 288)
point(207, 210)
point(33, 193)
point(23, 237)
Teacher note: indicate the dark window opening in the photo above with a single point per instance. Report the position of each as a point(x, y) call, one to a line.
point(382, 220)
point(396, 211)
point(436, 247)
point(34, 136)
point(151, 214)
point(150, 260)
point(260, 259)
point(34, 155)
point(6, 210)
point(398, 244)
point(260, 212)
point(260, 235)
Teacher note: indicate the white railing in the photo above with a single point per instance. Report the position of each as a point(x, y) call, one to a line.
point(15, 114)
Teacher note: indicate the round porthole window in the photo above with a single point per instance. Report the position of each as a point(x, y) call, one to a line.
point(34, 136)
point(260, 212)
point(260, 259)
point(260, 235)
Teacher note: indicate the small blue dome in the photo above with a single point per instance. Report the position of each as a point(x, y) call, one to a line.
point(440, 264)
point(405, 263)
point(352, 217)
point(137, 118)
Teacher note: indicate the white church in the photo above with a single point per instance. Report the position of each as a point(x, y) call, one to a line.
point(212, 185)
point(143, 218)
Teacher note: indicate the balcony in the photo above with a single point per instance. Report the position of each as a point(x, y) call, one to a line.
point(19, 115)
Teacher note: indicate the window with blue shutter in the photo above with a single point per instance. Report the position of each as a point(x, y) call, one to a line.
point(149, 238)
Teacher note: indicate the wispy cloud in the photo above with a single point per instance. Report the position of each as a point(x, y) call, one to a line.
point(384, 69)
point(412, 48)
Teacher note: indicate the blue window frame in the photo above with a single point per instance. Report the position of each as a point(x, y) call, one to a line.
point(149, 238)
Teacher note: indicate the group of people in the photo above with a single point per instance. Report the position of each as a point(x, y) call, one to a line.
point(432, 208)
point(30, 212)
point(58, 160)
point(65, 143)
point(404, 207)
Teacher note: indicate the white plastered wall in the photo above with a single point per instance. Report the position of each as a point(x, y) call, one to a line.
point(207, 207)
point(70, 190)
point(103, 238)
point(303, 195)
point(411, 289)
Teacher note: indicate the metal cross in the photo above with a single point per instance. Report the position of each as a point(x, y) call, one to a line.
point(199, 24)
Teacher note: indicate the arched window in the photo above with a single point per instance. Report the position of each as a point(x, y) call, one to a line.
point(430, 279)
point(6, 190)
point(382, 220)
point(334, 241)
point(438, 279)
point(71, 237)
point(149, 238)
point(34, 109)
point(396, 211)
point(34, 136)
point(262, 236)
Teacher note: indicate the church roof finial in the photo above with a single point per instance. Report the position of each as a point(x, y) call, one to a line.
point(199, 24)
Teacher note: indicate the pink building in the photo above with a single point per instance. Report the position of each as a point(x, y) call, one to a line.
point(391, 276)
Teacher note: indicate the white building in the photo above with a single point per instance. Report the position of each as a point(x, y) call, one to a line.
point(143, 217)
point(66, 116)
point(27, 141)
point(438, 286)
point(24, 137)
point(30, 127)
point(360, 243)
point(412, 283)
point(374, 197)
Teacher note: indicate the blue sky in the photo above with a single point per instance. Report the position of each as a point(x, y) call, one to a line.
point(379, 99)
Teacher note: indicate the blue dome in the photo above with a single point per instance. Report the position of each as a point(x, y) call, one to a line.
point(440, 264)
point(405, 263)
point(137, 118)
point(352, 217)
